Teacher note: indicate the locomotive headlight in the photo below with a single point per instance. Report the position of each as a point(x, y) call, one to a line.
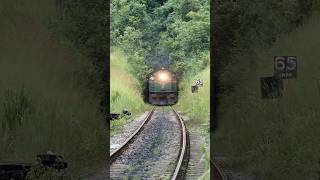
point(163, 77)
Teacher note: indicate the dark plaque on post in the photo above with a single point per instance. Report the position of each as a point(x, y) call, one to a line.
point(285, 67)
point(271, 87)
point(194, 89)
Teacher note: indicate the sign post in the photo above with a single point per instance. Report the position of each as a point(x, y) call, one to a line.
point(285, 67)
point(285, 87)
point(194, 89)
point(271, 87)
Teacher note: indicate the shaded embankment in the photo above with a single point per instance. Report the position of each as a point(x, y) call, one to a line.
point(124, 90)
point(275, 139)
point(45, 103)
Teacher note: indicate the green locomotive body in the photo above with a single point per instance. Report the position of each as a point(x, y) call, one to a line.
point(163, 87)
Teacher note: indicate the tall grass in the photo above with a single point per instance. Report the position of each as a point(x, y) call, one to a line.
point(197, 107)
point(124, 91)
point(44, 102)
point(275, 139)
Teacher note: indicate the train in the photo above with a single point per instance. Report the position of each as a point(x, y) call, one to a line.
point(162, 87)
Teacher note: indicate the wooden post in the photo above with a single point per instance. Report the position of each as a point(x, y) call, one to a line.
point(285, 87)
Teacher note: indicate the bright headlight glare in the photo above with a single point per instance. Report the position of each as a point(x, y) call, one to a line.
point(163, 76)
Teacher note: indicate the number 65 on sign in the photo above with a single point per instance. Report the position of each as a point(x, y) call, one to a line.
point(285, 67)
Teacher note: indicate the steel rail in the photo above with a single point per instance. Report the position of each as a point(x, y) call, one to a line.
point(220, 174)
point(183, 150)
point(117, 152)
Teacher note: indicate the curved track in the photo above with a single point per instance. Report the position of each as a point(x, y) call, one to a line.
point(118, 152)
point(180, 163)
point(218, 173)
point(179, 172)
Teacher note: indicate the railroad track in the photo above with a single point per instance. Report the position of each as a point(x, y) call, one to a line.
point(125, 145)
point(179, 172)
point(218, 173)
point(182, 159)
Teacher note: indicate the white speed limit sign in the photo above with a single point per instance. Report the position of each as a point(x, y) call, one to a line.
point(285, 66)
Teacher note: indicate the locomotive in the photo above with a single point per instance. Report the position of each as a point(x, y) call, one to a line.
point(162, 87)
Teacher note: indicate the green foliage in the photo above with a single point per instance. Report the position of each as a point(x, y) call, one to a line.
point(240, 25)
point(258, 135)
point(186, 40)
point(124, 91)
point(84, 24)
point(206, 158)
point(40, 172)
point(16, 106)
point(126, 13)
point(45, 103)
point(197, 107)
point(177, 32)
point(199, 110)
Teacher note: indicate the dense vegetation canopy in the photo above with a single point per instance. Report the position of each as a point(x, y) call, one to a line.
point(155, 34)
